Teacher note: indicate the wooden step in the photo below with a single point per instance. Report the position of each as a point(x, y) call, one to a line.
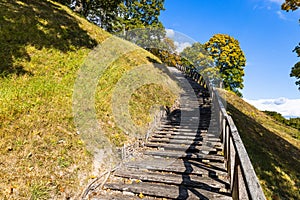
point(188, 155)
point(179, 136)
point(209, 169)
point(172, 179)
point(182, 147)
point(212, 141)
point(168, 191)
point(175, 133)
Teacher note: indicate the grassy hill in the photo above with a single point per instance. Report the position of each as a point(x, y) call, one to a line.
point(43, 46)
point(274, 149)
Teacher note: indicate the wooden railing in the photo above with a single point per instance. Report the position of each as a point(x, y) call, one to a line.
point(244, 183)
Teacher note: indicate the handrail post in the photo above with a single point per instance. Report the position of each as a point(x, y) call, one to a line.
point(244, 183)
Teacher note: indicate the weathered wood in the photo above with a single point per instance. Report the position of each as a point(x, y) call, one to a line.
point(168, 191)
point(162, 163)
point(180, 159)
point(182, 147)
point(181, 155)
point(211, 141)
point(173, 179)
point(174, 134)
point(179, 137)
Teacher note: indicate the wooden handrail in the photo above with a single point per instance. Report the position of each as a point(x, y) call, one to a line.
point(244, 183)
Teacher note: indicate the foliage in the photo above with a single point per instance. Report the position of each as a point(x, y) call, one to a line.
point(273, 148)
point(295, 72)
point(229, 59)
point(202, 61)
point(135, 14)
point(290, 5)
point(293, 122)
point(119, 15)
point(170, 59)
point(196, 54)
point(294, 5)
point(138, 22)
point(43, 45)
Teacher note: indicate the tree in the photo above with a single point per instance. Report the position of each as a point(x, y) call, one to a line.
point(198, 56)
point(290, 5)
point(138, 21)
point(229, 59)
point(295, 72)
point(133, 14)
point(294, 5)
point(200, 59)
point(100, 12)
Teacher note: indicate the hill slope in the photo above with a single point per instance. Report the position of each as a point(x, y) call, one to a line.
point(43, 46)
point(274, 149)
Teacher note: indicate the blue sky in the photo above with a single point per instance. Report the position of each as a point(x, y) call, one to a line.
point(266, 34)
point(266, 38)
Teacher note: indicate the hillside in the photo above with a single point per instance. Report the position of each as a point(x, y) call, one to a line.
point(273, 148)
point(43, 47)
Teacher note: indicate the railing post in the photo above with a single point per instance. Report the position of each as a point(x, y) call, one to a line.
point(235, 180)
point(243, 180)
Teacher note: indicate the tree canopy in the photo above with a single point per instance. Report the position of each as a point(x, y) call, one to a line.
point(295, 72)
point(294, 5)
point(199, 58)
point(119, 15)
point(229, 59)
point(290, 5)
point(197, 55)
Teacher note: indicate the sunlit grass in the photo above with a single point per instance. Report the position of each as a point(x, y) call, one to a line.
point(43, 45)
point(272, 147)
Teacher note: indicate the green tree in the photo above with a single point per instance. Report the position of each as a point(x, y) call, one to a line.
point(229, 59)
point(135, 14)
point(198, 56)
point(295, 72)
point(119, 15)
point(138, 21)
point(294, 5)
point(100, 12)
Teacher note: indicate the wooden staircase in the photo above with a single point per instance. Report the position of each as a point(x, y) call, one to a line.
point(182, 159)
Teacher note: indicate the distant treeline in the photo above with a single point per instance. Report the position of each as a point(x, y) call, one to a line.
point(293, 122)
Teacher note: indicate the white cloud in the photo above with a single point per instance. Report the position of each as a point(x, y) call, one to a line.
point(170, 33)
point(281, 15)
point(284, 106)
point(181, 40)
point(180, 46)
point(277, 1)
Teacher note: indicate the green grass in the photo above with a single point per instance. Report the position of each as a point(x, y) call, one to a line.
point(43, 45)
point(273, 148)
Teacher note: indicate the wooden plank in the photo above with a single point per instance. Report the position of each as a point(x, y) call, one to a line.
point(195, 168)
point(175, 134)
point(212, 142)
point(178, 154)
point(167, 191)
point(118, 195)
point(251, 180)
point(163, 163)
point(182, 137)
point(173, 179)
point(181, 147)
point(176, 141)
